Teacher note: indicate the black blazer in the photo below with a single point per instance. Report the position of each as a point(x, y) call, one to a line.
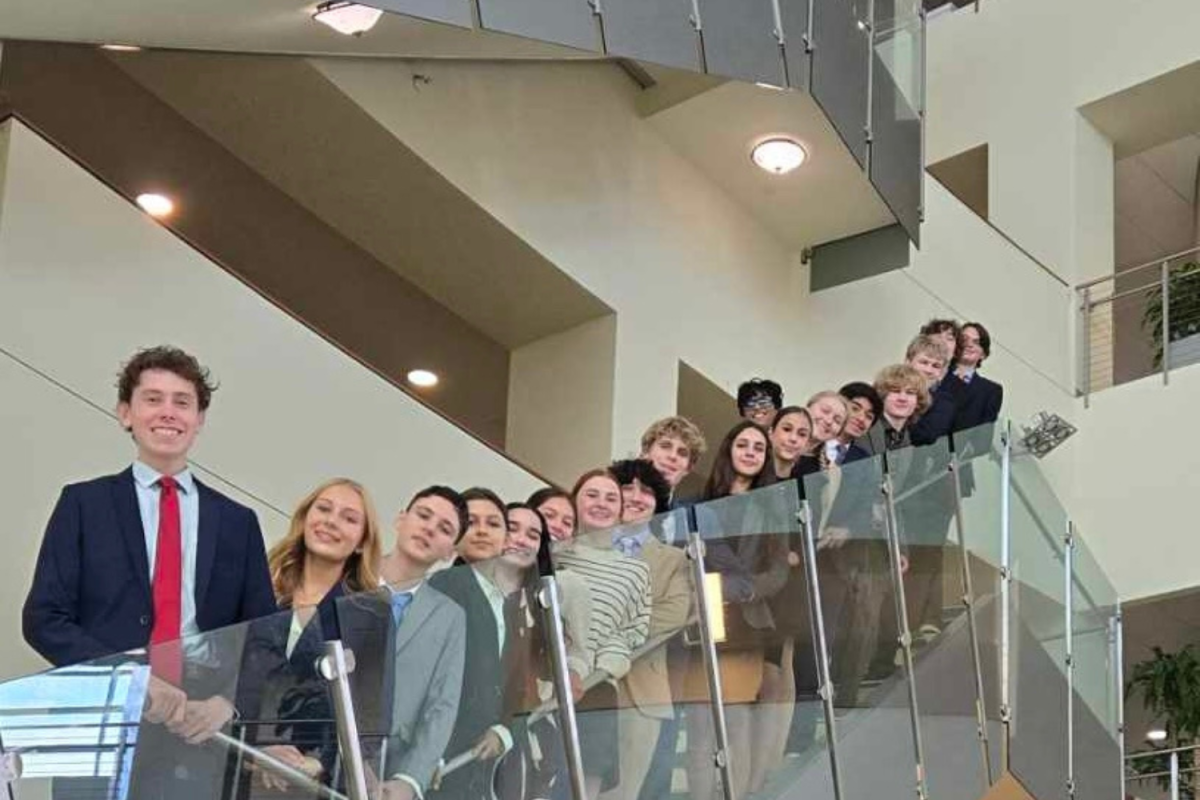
point(91, 593)
point(978, 402)
point(482, 702)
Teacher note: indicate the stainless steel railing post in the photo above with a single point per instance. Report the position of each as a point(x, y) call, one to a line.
point(568, 722)
point(817, 621)
point(893, 533)
point(968, 600)
point(1069, 634)
point(1006, 576)
point(335, 666)
point(712, 668)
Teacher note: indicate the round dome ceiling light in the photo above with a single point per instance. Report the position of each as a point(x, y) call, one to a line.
point(347, 17)
point(422, 378)
point(778, 155)
point(156, 205)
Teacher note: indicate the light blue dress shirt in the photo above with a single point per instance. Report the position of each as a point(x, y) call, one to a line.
point(145, 480)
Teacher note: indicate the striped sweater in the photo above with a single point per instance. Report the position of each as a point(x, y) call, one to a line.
point(620, 589)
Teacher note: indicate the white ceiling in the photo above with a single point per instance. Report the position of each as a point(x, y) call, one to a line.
point(827, 198)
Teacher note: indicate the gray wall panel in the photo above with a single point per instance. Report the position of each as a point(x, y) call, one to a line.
point(659, 31)
point(456, 12)
point(841, 58)
point(794, 14)
point(858, 257)
point(896, 152)
point(740, 42)
point(568, 22)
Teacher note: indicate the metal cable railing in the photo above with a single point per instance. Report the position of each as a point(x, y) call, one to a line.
point(1139, 322)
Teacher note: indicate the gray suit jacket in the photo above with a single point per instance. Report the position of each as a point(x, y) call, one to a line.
point(429, 649)
point(407, 681)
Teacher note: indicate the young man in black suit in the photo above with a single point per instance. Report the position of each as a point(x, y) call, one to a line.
point(150, 555)
point(979, 399)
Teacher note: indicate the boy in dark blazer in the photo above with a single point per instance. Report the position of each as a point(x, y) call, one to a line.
point(150, 556)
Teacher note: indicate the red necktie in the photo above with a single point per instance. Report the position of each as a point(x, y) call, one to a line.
point(166, 656)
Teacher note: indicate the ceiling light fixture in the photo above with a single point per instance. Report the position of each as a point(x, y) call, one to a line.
point(778, 155)
point(121, 48)
point(156, 205)
point(423, 378)
point(1156, 735)
point(346, 17)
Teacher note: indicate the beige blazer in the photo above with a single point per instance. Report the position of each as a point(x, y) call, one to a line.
point(670, 595)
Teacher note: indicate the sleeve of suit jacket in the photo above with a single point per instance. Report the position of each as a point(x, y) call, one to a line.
point(440, 708)
point(258, 596)
point(50, 620)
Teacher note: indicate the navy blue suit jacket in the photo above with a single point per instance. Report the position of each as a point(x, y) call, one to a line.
point(91, 593)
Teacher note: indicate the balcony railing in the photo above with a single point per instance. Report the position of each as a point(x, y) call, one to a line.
point(1139, 322)
point(999, 635)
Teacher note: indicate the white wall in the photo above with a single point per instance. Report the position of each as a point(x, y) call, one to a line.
point(560, 400)
point(1013, 76)
point(558, 154)
point(86, 279)
point(1135, 497)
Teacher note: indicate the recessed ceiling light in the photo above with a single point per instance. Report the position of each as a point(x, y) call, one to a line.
point(423, 378)
point(156, 205)
point(1156, 735)
point(121, 48)
point(778, 155)
point(346, 17)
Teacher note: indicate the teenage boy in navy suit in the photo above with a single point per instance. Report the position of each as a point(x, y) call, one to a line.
point(150, 555)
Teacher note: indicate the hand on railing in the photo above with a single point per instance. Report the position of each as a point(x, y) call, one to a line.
point(288, 755)
point(202, 719)
point(164, 703)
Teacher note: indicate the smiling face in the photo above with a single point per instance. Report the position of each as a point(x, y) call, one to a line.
point(598, 503)
point(560, 518)
point(335, 524)
point(638, 502)
point(862, 415)
point(749, 453)
point(829, 415)
point(425, 533)
point(524, 535)
point(900, 404)
point(791, 437)
point(487, 530)
point(972, 350)
point(164, 416)
point(928, 365)
point(671, 457)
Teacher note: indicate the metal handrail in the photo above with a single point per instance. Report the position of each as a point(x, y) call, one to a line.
point(1157, 263)
point(1149, 753)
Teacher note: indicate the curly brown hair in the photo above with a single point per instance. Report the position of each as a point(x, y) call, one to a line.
point(168, 359)
point(286, 559)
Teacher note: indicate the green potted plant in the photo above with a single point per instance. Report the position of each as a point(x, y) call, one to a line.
point(1169, 685)
point(1184, 321)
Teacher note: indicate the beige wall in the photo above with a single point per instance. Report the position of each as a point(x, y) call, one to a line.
point(85, 279)
point(560, 401)
point(559, 155)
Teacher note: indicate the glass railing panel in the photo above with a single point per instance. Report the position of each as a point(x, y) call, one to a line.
point(898, 35)
point(980, 453)
point(1038, 684)
point(639, 653)
point(874, 744)
point(186, 717)
point(1097, 680)
point(453, 686)
point(942, 636)
point(765, 644)
point(841, 60)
